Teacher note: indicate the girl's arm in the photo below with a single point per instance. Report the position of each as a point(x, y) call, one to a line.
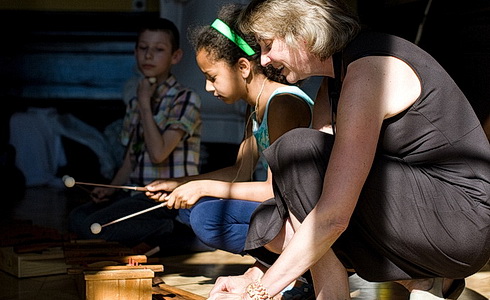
point(321, 110)
point(186, 195)
point(241, 171)
point(286, 112)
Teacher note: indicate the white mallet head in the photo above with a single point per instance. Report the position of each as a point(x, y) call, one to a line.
point(69, 181)
point(95, 228)
point(152, 80)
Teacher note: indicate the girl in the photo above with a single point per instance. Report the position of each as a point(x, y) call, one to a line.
point(218, 205)
point(230, 63)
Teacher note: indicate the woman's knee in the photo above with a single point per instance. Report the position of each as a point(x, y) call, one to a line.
point(301, 146)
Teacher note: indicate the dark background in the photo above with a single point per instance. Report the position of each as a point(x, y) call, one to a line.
point(456, 33)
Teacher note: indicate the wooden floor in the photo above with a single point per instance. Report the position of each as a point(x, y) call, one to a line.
point(194, 273)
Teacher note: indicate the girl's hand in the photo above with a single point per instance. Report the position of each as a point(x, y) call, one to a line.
point(186, 195)
point(159, 189)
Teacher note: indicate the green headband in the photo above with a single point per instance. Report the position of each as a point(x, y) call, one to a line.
point(224, 29)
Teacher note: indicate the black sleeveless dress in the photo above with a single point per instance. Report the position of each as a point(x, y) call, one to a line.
point(424, 210)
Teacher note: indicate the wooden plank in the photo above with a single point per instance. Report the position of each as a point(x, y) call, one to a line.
point(79, 270)
point(86, 248)
point(23, 233)
point(119, 259)
point(118, 274)
point(48, 262)
point(169, 292)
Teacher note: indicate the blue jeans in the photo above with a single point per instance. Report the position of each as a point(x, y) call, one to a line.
point(220, 223)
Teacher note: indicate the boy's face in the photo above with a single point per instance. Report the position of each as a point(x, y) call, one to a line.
point(154, 54)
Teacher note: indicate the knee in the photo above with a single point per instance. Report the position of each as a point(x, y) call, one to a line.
point(294, 137)
point(205, 225)
point(201, 221)
point(79, 223)
point(300, 143)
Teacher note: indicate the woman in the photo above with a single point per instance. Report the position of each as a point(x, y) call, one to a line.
point(399, 192)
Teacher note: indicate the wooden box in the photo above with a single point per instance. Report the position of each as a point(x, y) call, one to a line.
point(133, 284)
point(48, 262)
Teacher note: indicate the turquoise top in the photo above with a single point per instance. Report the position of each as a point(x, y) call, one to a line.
point(261, 131)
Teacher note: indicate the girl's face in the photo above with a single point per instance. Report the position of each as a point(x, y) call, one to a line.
point(223, 81)
point(154, 54)
point(295, 64)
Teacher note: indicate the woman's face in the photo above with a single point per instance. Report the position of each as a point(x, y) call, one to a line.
point(295, 63)
point(222, 80)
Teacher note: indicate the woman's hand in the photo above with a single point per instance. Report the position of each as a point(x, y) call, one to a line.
point(227, 296)
point(230, 287)
point(234, 287)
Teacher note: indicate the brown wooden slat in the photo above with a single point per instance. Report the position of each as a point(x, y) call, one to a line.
point(174, 293)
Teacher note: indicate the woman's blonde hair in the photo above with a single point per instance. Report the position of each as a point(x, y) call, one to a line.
point(325, 25)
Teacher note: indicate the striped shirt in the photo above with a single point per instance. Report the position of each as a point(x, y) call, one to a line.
point(176, 107)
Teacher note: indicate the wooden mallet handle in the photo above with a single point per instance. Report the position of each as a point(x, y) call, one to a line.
point(126, 187)
point(96, 228)
point(70, 182)
point(136, 214)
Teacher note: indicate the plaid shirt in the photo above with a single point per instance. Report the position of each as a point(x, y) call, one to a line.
point(176, 107)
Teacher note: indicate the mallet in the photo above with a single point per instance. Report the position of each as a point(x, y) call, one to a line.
point(70, 182)
point(96, 228)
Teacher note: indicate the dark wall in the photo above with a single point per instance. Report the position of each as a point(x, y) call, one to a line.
point(77, 63)
point(456, 33)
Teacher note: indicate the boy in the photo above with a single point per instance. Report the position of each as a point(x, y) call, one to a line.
point(161, 132)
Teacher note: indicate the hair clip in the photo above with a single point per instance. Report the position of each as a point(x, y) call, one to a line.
point(225, 30)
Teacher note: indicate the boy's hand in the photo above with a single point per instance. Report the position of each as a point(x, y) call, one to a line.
point(100, 194)
point(146, 89)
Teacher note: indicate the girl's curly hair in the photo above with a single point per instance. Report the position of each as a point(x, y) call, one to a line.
point(222, 49)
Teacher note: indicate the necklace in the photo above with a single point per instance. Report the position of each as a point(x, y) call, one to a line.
point(258, 99)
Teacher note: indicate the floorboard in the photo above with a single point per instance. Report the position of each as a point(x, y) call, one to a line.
point(194, 273)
